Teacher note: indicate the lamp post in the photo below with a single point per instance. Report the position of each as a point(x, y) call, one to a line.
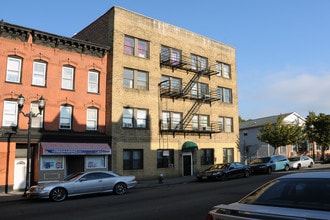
point(29, 115)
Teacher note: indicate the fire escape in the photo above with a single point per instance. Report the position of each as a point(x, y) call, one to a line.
point(187, 91)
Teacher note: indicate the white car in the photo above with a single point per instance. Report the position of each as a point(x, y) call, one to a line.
point(300, 162)
point(300, 196)
point(83, 183)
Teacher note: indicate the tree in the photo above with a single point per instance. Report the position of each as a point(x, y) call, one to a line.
point(317, 129)
point(280, 134)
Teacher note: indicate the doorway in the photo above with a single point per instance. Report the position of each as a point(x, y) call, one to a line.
point(75, 163)
point(187, 164)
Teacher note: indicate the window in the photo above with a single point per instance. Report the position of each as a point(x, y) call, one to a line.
point(170, 55)
point(171, 120)
point(135, 79)
point(92, 117)
point(135, 118)
point(165, 158)
point(65, 117)
point(92, 162)
point(129, 45)
point(51, 163)
point(198, 63)
point(142, 49)
point(171, 84)
point(228, 155)
point(36, 122)
point(201, 122)
point(67, 77)
point(141, 118)
point(225, 95)
point(207, 156)
point(199, 90)
point(14, 68)
point(223, 70)
point(10, 112)
point(133, 159)
point(39, 73)
point(93, 81)
point(226, 124)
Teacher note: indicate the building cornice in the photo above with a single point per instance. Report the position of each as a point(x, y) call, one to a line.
point(22, 34)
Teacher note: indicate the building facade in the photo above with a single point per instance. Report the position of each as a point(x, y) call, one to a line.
point(171, 94)
point(251, 147)
point(69, 134)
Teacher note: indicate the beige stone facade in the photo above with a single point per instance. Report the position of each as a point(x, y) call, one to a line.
point(176, 113)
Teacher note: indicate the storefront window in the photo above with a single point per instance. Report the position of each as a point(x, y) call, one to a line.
point(51, 163)
point(95, 162)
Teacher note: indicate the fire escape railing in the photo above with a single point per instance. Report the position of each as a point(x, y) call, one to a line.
point(185, 92)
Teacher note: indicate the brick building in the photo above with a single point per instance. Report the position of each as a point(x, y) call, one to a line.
point(127, 93)
point(171, 96)
point(69, 134)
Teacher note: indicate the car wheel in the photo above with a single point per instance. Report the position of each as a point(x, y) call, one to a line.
point(311, 165)
point(58, 194)
point(120, 189)
point(298, 167)
point(287, 167)
point(269, 170)
point(246, 173)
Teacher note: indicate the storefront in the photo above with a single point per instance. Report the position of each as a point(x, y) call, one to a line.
point(57, 160)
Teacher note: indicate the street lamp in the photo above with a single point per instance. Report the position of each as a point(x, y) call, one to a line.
point(30, 115)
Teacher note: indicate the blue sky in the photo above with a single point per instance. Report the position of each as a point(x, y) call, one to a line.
point(282, 46)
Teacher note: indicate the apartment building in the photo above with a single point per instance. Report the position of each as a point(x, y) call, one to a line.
point(52, 106)
point(171, 96)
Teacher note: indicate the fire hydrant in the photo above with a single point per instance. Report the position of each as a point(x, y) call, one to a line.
point(160, 178)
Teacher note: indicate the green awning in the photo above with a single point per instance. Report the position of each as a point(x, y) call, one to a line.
point(189, 146)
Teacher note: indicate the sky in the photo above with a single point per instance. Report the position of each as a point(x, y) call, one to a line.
point(282, 46)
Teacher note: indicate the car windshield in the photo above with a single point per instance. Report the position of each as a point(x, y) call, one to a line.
point(219, 166)
point(260, 160)
point(294, 158)
point(73, 176)
point(294, 193)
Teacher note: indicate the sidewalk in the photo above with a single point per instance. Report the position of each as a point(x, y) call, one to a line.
point(19, 195)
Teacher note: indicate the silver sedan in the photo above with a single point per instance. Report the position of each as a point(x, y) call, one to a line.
point(302, 195)
point(83, 183)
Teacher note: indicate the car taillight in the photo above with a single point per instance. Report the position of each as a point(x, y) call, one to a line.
point(209, 217)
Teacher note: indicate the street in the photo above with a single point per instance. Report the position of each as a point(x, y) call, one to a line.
point(181, 201)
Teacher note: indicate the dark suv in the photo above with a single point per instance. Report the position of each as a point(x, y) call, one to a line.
point(270, 164)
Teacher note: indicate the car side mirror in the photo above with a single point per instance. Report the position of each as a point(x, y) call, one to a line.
point(82, 179)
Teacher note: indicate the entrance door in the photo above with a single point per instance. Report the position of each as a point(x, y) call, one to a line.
point(19, 174)
point(75, 163)
point(187, 164)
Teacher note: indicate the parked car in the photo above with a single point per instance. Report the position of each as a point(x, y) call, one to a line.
point(270, 164)
point(224, 171)
point(300, 162)
point(303, 195)
point(83, 183)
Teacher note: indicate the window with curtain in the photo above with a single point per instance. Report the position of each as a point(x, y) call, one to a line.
point(136, 79)
point(65, 117)
point(10, 113)
point(93, 81)
point(36, 122)
point(67, 77)
point(14, 69)
point(39, 73)
point(92, 117)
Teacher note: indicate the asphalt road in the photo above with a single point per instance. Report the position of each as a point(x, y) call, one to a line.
point(182, 201)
